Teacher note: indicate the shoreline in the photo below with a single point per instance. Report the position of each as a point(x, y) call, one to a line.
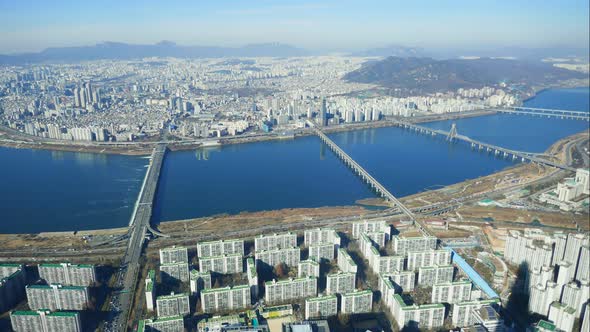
point(362, 206)
point(145, 148)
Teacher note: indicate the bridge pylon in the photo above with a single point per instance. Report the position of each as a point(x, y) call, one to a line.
point(452, 133)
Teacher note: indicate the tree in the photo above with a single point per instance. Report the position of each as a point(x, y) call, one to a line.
point(343, 319)
point(281, 270)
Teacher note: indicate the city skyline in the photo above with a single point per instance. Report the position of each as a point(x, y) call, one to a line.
point(317, 25)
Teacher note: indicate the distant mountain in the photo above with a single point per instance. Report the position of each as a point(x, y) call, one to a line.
point(123, 51)
point(392, 50)
point(418, 75)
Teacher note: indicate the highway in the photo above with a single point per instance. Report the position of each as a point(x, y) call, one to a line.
point(126, 280)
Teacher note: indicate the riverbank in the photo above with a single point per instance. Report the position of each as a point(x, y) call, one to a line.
point(505, 182)
point(13, 139)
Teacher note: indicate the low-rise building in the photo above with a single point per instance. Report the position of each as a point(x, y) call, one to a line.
point(284, 290)
point(173, 305)
point(356, 302)
point(321, 307)
point(225, 298)
point(45, 321)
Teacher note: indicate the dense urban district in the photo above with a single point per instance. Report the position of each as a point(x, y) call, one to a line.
point(508, 251)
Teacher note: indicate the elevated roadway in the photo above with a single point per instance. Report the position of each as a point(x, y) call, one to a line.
point(139, 227)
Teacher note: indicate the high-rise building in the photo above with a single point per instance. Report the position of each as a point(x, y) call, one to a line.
point(401, 280)
point(463, 311)
point(583, 267)
point(252, 278)
point(428, 276)
point(273, 257)
point(57, 297)
point(402, 244)
point(563, 316)
point(12, 285)
point(219, 248)
point(369, 226)
point(541, 296)
point(226, 264)
point(275, 241)
point(451, 292)
point(356, 302)
point(345, 262)
point(427, 258)
point(175, 272)
point(150, 290)
point(173, 305)
point(321, 307)
point(559, 244)
point(575, 241)
point(308, 268)
point(68, 274)
point(225, 298)
point(341, 282)
point(586, 318)
point(321, 236)
point(45, 321)
point(323, 116)
point(173, 255)
point(427, 316)
point(322, 251)
point(199, 281)
point(291, 289)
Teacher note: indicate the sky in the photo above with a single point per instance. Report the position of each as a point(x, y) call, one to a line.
point(33, 25)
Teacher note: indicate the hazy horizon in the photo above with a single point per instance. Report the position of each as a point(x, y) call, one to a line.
point(33, 26)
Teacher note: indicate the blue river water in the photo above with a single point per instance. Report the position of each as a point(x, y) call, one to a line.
point(58, 191)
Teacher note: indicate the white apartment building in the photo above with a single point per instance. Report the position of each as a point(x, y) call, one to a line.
point(341, 282)
point(219, 248)
point(426, 316)
point(367, 226)
point(173, 305)
point(451, 292)
point(321, 252)
point(284, 290)
point(173, 255)
point(321, 236)
point(199, 281)
point(401, 244)
point(308, 268)
point(68, 274)
point(345, 262)
point(321, 307)
point(463, 311)
point(275, 241)
point(430, 275)
point(356, 302)
point(563, 316)
point(45, 321)
point(175, 271)
point(226, 264)
point(418, 259)
point(401, 280)
point(57, 297)
point(225, 298)
point(272, 257)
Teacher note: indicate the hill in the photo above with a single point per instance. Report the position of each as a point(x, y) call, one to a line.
point(426, 75)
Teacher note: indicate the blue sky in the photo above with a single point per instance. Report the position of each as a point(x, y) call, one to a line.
point(27, 25)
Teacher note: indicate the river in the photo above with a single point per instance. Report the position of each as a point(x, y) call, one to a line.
point(59, 191)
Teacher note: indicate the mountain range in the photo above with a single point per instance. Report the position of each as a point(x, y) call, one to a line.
point(123, 51)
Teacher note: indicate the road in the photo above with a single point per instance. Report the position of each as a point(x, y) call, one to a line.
point(126, 280)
